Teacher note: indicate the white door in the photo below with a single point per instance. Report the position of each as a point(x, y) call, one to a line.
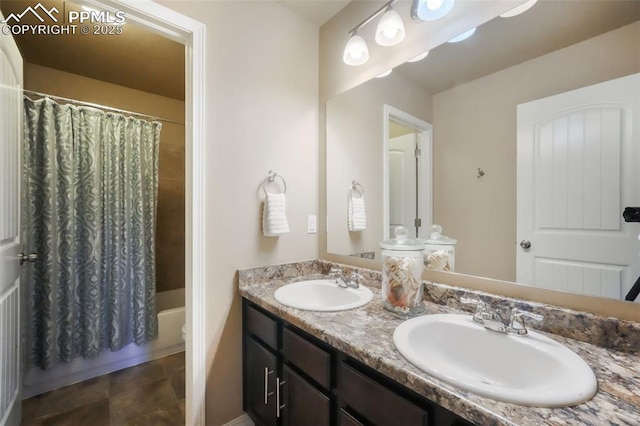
point(402, 183)
point(10, 160)
point(578, 167)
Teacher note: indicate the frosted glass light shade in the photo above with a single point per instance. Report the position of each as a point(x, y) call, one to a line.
point(519, 9)
point(390, 30)
point(430, 10)
point(419, 57)
point(462, 36)
point(384, 74)
point(356, 51)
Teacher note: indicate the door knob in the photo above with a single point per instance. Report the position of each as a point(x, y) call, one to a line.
point(31, 258)
point(525, 244)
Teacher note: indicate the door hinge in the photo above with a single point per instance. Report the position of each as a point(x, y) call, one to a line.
point(418, 222)
point(418, 152)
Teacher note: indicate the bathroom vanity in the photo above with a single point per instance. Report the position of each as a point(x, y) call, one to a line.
point(342, 368)
point(293, 376)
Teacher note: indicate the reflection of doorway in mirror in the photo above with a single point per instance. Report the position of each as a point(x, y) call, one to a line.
point(407, 173)
point(403, 174)
point(577, 170)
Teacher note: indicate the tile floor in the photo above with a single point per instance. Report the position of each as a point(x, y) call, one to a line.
point(147, 394)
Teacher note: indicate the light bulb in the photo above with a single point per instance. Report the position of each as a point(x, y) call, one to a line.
point(356, 51)
point(462, 36)
point(419, 57)
point(519, 9)
point(430, 10)
point(434, 4)
point(390, 30)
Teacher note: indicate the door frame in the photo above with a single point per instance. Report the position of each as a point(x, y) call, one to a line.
point(191, 33)
point(425, 169)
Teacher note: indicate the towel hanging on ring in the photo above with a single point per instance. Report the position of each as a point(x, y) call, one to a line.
point(274, 212)
point(356, 215)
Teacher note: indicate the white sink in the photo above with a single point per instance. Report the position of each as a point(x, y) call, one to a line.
point(322, 295)
point(529, 370)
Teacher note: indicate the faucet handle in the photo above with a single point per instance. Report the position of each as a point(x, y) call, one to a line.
point(481, 308)
point(516, 321)
point(356, 279)
point(337, 274)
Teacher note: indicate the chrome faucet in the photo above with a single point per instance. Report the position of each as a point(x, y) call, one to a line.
point(352, 281)
point(492, 320)
point(516, 321)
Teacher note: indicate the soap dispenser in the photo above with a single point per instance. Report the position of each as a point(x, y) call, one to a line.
point(402, 265)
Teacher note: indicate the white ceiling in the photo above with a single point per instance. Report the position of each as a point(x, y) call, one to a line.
point(504, 42)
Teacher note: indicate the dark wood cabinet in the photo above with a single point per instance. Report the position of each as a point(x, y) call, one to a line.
point(260, 382)
point(293, 379)
point(286, 377)
point(303, 403)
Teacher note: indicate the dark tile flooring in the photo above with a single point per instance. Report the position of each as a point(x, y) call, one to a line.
point(147, 394)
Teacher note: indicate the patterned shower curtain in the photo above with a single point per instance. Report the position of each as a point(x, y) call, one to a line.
point(89, 211)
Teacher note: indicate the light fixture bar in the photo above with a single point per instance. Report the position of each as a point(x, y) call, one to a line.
point(372, 17)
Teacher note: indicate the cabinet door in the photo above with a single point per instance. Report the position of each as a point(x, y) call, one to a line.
point(303, 404)
point(260, 381)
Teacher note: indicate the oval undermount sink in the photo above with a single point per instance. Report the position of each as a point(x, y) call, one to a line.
point(322, 295)
point(529, 370)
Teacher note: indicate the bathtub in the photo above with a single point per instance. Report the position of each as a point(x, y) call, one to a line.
point(171, 317)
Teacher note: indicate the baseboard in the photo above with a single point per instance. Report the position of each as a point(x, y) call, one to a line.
point(243, 420)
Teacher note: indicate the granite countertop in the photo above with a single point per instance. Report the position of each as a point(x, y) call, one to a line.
point(366, 335)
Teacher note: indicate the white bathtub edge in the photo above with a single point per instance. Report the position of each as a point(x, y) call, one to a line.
point(169, 342)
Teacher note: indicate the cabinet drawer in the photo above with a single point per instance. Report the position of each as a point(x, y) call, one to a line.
point(346, 419)
point(376, 403)
point(308, 357)
point(303, 403)
point(262, 326)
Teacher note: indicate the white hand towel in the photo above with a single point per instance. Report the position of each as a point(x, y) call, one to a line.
point(357, 216)
point(274, 215)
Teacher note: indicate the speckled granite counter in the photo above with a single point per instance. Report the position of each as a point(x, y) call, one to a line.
point(366, 335)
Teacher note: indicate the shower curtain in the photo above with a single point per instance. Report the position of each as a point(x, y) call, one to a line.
point(89, 211)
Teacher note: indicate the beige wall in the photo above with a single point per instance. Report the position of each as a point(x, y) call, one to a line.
point(354, 129)
point(475, 126)
point(262, 113)
point(170, 227)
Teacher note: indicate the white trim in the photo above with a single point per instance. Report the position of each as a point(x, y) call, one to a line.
point(425, 172)
point(191, 33)
point(243, 420)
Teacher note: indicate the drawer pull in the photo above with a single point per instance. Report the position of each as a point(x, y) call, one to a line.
point(278, 406)
point(267, 394)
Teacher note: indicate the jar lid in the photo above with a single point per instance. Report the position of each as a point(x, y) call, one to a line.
point(436, 237)
point(402, 241)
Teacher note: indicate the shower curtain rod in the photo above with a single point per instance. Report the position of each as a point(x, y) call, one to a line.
point(103, 107)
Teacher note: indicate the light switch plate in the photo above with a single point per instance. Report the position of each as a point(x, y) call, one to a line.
point(312, 224)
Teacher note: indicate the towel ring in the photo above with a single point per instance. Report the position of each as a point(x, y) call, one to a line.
point(271, 177)
point(356, 186)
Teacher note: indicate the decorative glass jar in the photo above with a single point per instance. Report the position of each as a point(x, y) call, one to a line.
point(440, 251)
point(402, 265)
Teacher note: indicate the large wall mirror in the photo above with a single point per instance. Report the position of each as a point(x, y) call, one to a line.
point(525, 147)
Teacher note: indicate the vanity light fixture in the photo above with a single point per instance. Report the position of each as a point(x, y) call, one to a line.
point(430, 10)
point(390, 31)
point(462, 36)
point(519, 9)
point(384, 74)
point(419, 57)
point(356, 51)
